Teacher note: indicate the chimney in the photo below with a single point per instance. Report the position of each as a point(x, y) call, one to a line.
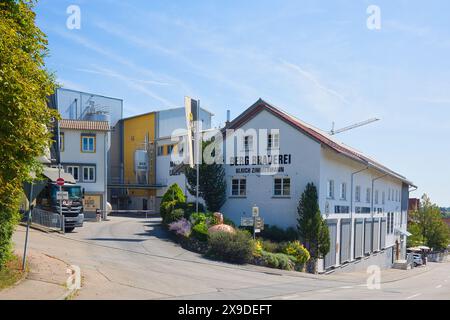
point(227, 123)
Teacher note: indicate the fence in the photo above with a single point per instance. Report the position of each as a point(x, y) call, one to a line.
point(46, 219)
point(437, 256)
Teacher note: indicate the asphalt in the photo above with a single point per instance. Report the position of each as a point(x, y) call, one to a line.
point(133, 258)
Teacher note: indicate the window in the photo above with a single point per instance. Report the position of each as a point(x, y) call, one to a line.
point(170, 149)
point(397, 195)
point(390, 223)
point(89, 174)
point(383, 197)
point(358, 194)
point(368, 194)
point(282, 187)
point(61, 141)
point(273, 141)
point(341, 209)
point(330, 189)
point(74, 171)
point(160, 150)
point(389, 194)
point(248, 143)
point(343, 191)
point(365, 210)
point(239, 187)
point(376, 196)
point(88, 143)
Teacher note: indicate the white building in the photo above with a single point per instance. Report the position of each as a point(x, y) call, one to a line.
point(365, 204)
point(84, 152)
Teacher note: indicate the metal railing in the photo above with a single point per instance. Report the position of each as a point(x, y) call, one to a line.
point(46, 219)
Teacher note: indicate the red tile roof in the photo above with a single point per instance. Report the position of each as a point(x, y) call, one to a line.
point(320, 136)
point(84, 125)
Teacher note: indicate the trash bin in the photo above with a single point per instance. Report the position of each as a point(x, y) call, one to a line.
point(98, 215)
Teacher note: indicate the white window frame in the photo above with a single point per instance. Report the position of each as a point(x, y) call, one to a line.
point(343, 191)
point(248, 143)
point(330, 189)
point(358, 194)
point(368, 194)
point(239, 189)
point(273, 141)
point(283, 182)
point(70, 170)
point(89, 178)
point(376, 197)
point(383, 198)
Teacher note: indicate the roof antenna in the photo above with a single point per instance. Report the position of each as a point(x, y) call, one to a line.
point(351, 127)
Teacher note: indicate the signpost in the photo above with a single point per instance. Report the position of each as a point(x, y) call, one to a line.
point(60, 182)
point(254, 221)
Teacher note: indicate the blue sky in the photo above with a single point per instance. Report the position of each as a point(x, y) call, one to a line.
point(314, 59)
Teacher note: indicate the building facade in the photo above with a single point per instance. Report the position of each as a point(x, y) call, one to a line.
point(142, 147)
point(274, 156)
point(83, 154)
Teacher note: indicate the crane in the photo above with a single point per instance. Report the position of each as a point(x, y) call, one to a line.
point(353, 126)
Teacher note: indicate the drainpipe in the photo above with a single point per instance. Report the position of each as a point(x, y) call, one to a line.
point(352, 215)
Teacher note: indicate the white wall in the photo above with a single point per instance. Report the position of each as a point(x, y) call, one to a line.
point(305, 167)
point(72, 155)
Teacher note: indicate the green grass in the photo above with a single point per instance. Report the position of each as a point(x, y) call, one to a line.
point(11, 273)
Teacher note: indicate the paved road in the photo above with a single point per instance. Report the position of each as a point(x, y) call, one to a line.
point(128, 258)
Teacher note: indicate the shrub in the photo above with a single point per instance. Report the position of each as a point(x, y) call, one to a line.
point(229, 222)
point(277, 234)
point(181, 227)
point(173, 215)
point(235, 247)
point(198, 217)
point(297, 250)
point(190, 209)
point(270, 246)
point(200, 232)
point(257, 249)
point(172, 199)
point(278, 260)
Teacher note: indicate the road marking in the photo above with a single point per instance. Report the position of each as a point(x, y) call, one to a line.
point(294, 296)
point(439, 286)
point(346, 287)
point(414, 296)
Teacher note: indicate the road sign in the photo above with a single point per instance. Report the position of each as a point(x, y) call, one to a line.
point(60, 181)
point(255, 211)
point(247, 222)
point(259, 223)
point(62, 195)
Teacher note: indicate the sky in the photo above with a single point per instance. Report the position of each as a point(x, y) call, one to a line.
point(317, 60)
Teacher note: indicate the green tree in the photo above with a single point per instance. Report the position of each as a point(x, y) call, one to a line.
point(212, 184)
point(312, 228)
point(427, 227)
point(25, 85)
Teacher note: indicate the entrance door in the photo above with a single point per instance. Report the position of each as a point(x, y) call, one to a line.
point(144, 204)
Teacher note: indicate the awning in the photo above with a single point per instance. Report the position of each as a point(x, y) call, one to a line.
point(53, 175)
point(403, 232)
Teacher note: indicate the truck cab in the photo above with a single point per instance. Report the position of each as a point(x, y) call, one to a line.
point(72, 205)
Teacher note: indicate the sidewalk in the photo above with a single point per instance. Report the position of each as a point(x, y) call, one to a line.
point(46, 280)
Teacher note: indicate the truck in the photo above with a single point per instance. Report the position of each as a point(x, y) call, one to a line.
point(72, 205)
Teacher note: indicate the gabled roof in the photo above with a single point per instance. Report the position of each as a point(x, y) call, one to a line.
point(318, 135)
point(84, 125)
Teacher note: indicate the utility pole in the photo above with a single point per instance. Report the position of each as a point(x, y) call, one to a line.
point(197, 156)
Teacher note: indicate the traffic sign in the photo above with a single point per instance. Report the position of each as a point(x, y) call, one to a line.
point(246, 222)
point(60, 181)
point(255, 211)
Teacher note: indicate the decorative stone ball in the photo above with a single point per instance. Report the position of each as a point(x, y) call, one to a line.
point(219, 217)
point(221, 228)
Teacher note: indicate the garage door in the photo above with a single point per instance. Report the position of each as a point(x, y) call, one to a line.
point(376, 235)
point(383, 234)
point(330, 258)
point(346, 226)
point(367, 236)
point(359, 238)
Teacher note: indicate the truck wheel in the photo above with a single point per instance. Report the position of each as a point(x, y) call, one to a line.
point(69, 229)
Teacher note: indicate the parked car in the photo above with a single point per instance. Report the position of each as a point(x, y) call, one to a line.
point(417, 259)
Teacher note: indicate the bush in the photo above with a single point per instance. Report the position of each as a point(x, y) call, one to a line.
point(200, 232)
point(278, 260)
point(208, 218)
point(181, 227)
point(173, 215)
point(172, 199)
point(270, 246)
point(297, 250)
point(229, 222)
point(235, 247)
point(190, 209)
point(277, 234)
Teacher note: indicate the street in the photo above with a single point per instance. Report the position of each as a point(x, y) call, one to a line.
point(131, 258)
